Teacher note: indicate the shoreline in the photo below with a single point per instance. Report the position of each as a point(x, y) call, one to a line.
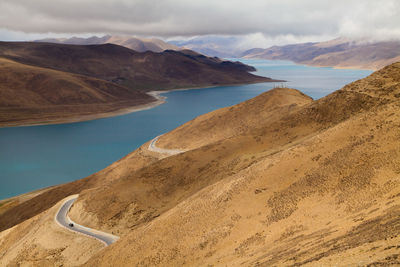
point(337, 67)
point(159, 100)
point(156, 94)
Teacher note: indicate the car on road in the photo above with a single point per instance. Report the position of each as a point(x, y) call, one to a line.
point(71, 225)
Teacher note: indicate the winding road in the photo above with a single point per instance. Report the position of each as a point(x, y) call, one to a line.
point(154, 148)
point(64, 221)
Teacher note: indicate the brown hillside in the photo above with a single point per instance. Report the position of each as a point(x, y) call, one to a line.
point(316, 186)
point(319, 186)
point(141, 71)
point(31, 94)
point(230, 121)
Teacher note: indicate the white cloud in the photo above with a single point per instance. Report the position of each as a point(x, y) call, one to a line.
point(377, 20)
point(264, 21)
point(264, 41)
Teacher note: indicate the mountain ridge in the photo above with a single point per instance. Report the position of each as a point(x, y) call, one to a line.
point(339, 53)
point(134, 43)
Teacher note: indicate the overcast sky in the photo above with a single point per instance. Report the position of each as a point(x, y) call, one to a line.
point(257, 21)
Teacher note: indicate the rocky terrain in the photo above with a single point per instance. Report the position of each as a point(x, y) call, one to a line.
point(340, 53)
point(282, 180)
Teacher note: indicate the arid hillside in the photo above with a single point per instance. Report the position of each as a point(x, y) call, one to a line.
point(30, 94)
point(317, 184)
point(141, 71)
point(340, 53)
point(48, 83)
point(232, 121)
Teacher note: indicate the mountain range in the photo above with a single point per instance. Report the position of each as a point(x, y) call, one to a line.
point(340, 53)
point(214, 46)
point(134, 43)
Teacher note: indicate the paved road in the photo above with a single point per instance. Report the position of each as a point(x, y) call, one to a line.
point(154, 148)
point(63, 220)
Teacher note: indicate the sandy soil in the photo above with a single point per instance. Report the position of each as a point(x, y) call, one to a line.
point(11, 202)
point(40, 241)
point(235, 120)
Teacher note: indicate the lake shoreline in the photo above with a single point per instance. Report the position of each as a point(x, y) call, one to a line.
point(312, 64)
point(90, 117)
point(123, 111)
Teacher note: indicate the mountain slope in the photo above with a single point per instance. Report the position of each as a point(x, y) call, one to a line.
point(314, 187)
point(40, 241)
point(232, 121)
point(30, 94)
point(221, 159)
point(134, 43)
point(317, 184)
point(335, 53)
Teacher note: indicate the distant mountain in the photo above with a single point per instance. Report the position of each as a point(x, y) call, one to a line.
point(47, 82)
point(215, 46)
point(134, 43)
point(340, 52)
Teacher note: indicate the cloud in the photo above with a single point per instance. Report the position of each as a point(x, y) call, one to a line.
point(270, 19)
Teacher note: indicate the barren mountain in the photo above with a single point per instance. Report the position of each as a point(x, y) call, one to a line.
point(134, 43)
point(232, 121)
point(30, 94)
point(43, 82)
point(309, 183)
point(340, 53)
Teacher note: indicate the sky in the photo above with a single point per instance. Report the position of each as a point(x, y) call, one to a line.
point(257, 23)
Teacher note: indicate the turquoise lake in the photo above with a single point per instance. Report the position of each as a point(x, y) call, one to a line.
point(39, 156)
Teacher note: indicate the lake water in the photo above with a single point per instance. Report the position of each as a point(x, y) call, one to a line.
point(38, 156)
